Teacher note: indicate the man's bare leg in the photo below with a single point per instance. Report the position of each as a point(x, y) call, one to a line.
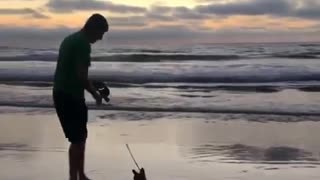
point(73, 161)
point(82, 175)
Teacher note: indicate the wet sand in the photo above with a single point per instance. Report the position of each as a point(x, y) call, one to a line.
point(191, 147)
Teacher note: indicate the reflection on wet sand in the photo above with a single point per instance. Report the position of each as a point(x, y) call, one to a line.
point(19, 147)
point(239, 153)
point(170, 146)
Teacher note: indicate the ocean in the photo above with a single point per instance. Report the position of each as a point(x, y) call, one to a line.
point(270, 78)
point(197, 111)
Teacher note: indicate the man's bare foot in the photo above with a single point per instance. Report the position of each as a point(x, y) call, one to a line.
point(83, 177)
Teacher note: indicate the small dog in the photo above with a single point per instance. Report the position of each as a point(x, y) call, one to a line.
point(102, 89)
point(139, 176)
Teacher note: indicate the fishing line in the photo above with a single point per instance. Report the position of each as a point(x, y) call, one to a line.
point(132, 157)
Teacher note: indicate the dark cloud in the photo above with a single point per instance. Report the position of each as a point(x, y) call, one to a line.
point(252, 7)
point(308, 9)
point(23, 11)
point(160, 9)
point(173, 15)
point(159, 13)
point(159, 17)
point(124, 8)
point(166, 13)
point(66, 6)
point(186, 13)
point(128, 21)
point(159, 32)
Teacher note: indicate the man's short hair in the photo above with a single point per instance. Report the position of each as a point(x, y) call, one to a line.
point(96, 21)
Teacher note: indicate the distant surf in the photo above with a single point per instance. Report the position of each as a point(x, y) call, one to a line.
point(161, 57)
point(176, 110)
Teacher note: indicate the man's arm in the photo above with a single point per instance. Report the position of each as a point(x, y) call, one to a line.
point(83, 76)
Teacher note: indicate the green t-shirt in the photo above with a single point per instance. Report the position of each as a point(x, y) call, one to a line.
point(75, 49)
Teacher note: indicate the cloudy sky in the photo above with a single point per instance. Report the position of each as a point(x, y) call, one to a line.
point(182, 20)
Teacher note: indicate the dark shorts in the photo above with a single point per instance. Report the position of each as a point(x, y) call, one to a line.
point(73, 116)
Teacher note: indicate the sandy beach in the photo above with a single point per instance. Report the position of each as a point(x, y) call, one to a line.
point(170, 146)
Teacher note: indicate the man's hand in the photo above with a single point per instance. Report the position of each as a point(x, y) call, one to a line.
point(139, 176)
point(98, 98)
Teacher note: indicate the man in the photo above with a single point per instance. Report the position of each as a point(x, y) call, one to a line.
point(70, 81)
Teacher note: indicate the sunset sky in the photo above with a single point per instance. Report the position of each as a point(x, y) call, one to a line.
point(216, 20)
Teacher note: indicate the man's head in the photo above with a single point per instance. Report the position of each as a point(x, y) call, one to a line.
point(95, 27)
